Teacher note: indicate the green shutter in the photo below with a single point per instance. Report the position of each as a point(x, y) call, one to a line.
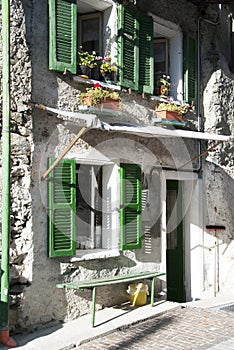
point(62, 207)
point(62, 35)
point(190, 69)
point(128, 48)
point(146, 55)
point(130, 206)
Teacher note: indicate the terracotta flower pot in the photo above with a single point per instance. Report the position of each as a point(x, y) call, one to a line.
point(111, 103)
point(169, 115)
point(86, 100)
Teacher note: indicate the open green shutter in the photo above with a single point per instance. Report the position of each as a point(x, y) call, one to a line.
point(190, 69)
point(62, 35)
point(62, 208)
point(130, 206)
point(128, 48)
point(146, 55)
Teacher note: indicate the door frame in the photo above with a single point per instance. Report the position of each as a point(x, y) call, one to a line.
point(193, 217)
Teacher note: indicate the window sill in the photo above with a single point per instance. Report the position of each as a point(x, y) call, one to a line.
point(92, 82)
point(92, 254)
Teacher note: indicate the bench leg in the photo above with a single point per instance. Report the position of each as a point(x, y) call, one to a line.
point(93, 305)
point(152, 291)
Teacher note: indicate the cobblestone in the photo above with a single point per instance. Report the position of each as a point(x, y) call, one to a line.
point(179, 329)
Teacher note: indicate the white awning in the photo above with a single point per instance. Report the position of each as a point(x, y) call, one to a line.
point(156, 131)
point(93, 121)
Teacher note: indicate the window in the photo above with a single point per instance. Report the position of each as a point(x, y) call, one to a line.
point(75, 23)
point(88, 206)
point(160, 59)
point(145, 45)
point(90, 32)
point(85, 211)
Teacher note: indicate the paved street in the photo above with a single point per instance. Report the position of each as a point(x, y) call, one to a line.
point(179, 329)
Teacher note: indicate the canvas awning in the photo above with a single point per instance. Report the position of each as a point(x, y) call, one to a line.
point(156, 131)
point(92, 121)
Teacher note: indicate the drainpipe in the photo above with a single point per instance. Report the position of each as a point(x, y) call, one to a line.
point(199, 119)
point(199, 167)
point(5, 339)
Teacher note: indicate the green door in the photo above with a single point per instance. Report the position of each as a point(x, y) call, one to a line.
point(175, 251)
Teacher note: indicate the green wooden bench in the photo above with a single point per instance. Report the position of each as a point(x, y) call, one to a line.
point(99, 282)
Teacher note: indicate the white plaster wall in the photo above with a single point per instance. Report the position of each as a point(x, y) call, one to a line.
point(110, 34)
point(193, 193)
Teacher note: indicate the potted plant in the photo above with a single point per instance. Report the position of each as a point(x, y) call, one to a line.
point(164, 85)
point(98, 96)
point(107, 69)
point(86, 61)
point(171, 110)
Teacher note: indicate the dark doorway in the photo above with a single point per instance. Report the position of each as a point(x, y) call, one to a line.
point(175, 251)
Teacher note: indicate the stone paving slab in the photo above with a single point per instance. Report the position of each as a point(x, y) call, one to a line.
point(227, 345)
point(70, 334)
point(179, 329)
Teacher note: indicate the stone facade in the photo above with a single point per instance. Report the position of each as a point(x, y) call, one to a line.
point(37, 135)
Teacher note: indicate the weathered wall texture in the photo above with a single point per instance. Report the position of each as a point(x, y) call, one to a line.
point(219, 179)
point(35, 300)
point(21, 152)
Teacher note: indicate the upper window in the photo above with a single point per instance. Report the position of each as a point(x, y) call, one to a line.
point(145, 48)
point(76, 23)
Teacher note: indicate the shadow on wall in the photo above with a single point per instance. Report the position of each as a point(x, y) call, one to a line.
point(107, 295)
point(219, 225)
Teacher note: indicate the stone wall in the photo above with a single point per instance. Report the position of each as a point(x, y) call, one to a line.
point(21, 155)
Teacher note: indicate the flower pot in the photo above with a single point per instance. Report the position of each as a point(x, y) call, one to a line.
point(108, 77)
point(169, 115)
point(84, 70)
point(86, 100)
point(111, 103)
point(95, 73)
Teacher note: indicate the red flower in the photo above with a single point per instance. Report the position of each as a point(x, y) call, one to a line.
point(97, 85)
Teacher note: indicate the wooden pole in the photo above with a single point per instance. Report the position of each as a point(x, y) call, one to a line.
point(35, 105)
point(201, 154)
point(215, 268)
point(63, 153)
